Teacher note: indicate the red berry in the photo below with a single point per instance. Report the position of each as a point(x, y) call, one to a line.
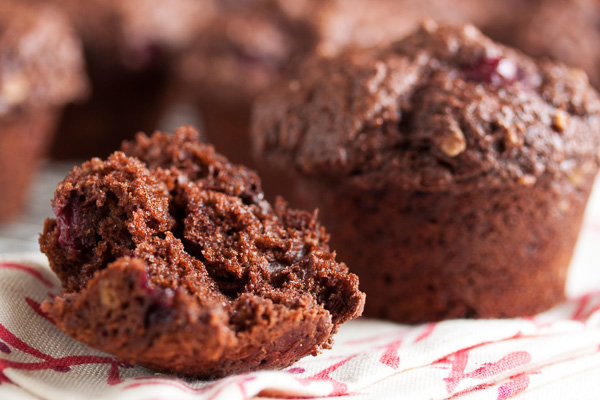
point(498, 71)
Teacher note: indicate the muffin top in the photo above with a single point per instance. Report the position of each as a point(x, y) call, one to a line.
point(443, 108)
point(41, 61)
point(192, 232)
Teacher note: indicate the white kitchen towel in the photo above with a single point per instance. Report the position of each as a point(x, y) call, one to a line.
point(553, 355)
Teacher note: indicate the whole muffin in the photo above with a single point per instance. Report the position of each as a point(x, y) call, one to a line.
point(41, 70)
point(129, 48)
point(170, 258)
point(452, 171)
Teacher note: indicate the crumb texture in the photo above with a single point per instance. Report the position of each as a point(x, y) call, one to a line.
point(170, 258)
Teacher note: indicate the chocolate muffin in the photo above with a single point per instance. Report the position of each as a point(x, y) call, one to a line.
point(452, 171)
point(129, 48)
point(170, 258)
point(41, 69)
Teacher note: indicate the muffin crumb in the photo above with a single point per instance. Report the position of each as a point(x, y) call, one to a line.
point(171, 258)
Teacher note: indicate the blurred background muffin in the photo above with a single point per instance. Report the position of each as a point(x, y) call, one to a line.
point(129, 49)
point(242, 51)
point(41, 70)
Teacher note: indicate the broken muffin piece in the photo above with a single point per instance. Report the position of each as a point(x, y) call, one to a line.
point(170, 258)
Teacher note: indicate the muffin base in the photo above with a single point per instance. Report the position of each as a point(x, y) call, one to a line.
point(490, 253)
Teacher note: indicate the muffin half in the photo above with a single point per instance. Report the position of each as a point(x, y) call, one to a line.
point(170, 258)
